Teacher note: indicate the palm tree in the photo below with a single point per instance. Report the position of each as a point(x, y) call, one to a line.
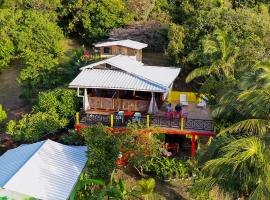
point(239, 160)
point(225, 53)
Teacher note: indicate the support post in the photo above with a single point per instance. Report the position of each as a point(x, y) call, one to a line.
point(77, 118)
point(147, 121)
point(193, 146)
point(182, 123)
point(111, 120)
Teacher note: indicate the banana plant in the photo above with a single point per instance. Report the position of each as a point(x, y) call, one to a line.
point(145, 187)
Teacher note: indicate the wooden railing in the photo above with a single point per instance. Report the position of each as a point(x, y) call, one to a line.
point(102, 103)
point(161, 121)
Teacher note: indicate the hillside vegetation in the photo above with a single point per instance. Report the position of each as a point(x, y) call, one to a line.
point(222, 47)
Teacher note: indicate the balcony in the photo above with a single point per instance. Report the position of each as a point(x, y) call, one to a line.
point(104, 111)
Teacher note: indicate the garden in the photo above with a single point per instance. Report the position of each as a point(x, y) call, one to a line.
point(130, 164)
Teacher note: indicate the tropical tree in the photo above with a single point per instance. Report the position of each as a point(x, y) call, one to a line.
point(238, 161)
point(93, 20)
point(221, 51)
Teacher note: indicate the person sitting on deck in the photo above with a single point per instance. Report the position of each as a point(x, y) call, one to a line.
point(168, 107)
point(178, 108)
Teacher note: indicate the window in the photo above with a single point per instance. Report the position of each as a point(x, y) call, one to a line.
point(107, 50)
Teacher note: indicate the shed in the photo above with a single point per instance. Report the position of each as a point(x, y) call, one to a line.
point(43, 170)
point(124, 47)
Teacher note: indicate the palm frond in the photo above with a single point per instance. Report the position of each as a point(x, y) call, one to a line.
point(261, 192)
point(255, 126)
point(243, 159)
point(257, 101)
point(201, 71)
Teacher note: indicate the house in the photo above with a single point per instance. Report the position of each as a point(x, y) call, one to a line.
point(44, 170)
point(122, 83)
point(120, 89)
point(123, 47)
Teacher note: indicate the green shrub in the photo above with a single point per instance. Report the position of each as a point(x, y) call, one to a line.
point(102, 152)
point(62, 101)
point(72, 138)
point(146, 186)
point(33, 126)
point(140, 145)
point(101, 189)
point(166, 168)
point(3, 117)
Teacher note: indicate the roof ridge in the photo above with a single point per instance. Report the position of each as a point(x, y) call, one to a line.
point(41, 145)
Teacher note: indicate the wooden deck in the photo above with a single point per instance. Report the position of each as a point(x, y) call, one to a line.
point(104, 111)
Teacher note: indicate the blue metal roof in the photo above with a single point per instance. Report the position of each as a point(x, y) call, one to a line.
point(44, 170)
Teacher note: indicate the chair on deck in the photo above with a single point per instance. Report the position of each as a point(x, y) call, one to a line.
point(120, 117)
point(202, 104)
point(183, 100)
point(137, 117)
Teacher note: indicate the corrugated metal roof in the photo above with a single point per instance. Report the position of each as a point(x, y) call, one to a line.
point(126, 43)
point(162, 76)
point(113, 79)
point(14, 159)
point(121, 61)
point(44, 170)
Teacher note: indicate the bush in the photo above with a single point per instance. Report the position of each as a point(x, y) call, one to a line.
point(93, 19)
point(139, 145)
point(33, 126)
point(3, 117)
point(102, 152)
point(166, 168)
point(72, 138)
point(61, 101)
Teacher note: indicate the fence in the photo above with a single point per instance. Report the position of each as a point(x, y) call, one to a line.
point(161, 121)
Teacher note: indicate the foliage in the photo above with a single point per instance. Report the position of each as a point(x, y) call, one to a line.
point(8, 20)
point(139, 144)
point(36, 75)
point(238, 160)
point(102, 152)
point(176, 36)
point(221, 54)
point(100, 189)
point(35, 39)
point(162, 11)
point(72, 138)
point(141, 9)
point(146, 186)
point(93, 19)
point(40, 5)
point(62, 101)
point(11, 126)
point(202, 21)
point(166, 168)
point(3, 117)
point(76, 59)
point(32, 127)
point(38, 42)
point(3, 114)
point(6, 50)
